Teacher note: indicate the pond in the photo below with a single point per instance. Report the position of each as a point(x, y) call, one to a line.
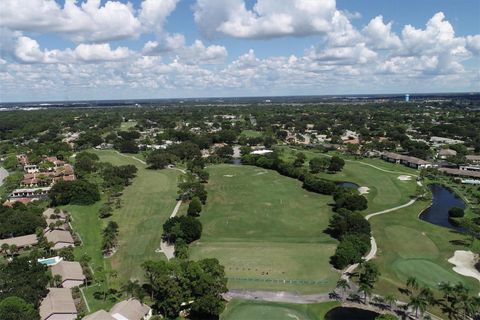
point(443, 200)
point(348, 184)
point(344, 313)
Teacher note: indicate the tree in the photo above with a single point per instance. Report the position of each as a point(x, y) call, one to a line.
point(391, 300)
point(319, 164)
point(25, 279)
point(158, 160)
point(74, 192)
point(15, 308)
point(194, 207)
point(57, 281)
point(299, 160)
point(11, 163)
point(343, 285)
point(456, 212)
point(417, 303)
point(5, 248)
point(368, 276)
point(336, 164)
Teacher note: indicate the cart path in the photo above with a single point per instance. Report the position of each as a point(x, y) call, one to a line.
point(3, 174)
point(373, 244)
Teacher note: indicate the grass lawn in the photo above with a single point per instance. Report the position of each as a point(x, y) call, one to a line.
point(386, 190)
point(260, 310)
point(408, 246)
point(146, 205)
point(252, 133)
point(263, 228)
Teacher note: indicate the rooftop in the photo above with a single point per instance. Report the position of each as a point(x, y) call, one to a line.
point(69, 270)
point(58, 301)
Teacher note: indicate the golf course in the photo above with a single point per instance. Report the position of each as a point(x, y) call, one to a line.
point(267, 231)
point(260, 310)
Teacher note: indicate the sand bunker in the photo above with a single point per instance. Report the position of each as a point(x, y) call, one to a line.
point(228, 175)
point(363, 190)
point(404, 178)
point(464, 262)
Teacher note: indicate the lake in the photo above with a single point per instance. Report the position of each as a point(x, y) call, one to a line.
point(443, 200)
point(346, 313)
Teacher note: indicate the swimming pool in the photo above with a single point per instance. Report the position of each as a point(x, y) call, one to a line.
point(50, 261)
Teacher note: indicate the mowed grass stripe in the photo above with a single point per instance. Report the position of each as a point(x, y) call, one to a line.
point(260, 224)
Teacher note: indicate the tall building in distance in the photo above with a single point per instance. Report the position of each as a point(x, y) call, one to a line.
point(407, 97)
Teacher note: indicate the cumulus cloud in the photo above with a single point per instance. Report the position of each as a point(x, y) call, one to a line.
point(86, 22)
point(28, 50)
point(267, 18)
point(379, 35)
point(154, 13)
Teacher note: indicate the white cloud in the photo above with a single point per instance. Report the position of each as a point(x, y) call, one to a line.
point(473, 44)
point(268, 18)
point(28, 50)
point(379, 35)
point(100, 52)
point(154, 13)
point(87, 22)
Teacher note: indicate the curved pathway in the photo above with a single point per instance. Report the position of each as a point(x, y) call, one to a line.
point(373, 244)
point(276, 296)
point(133, 157)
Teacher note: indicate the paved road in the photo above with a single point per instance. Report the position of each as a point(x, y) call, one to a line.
point(3, 174)
point(276, 296)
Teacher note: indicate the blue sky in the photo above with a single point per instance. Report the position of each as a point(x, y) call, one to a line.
point(70, 50)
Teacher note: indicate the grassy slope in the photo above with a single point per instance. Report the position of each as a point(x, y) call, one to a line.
point(386, 190)
point(409, 246)
point(147, 203)
point(259, 310)
point(257, 222)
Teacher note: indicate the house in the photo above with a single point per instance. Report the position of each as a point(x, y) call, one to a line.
point(99, 315)
point(439, 141)
point(445, 153)
point(22, 241)
point(467, 174)
point(406, 160)
point(52, 217)
point(58, 305)
point(30, 193)
point(10, 202)
point(30, 168)
point(60, 239)
point(473, 158)
point(130, 309)
point(71, 273)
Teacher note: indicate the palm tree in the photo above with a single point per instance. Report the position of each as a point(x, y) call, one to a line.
point(343, 285)
point(57, 280)
point(446, 288)
point(5, 248)
point(390, 299)
point(418, 303)
point(130, 287)
point(412, 283)
point(13, 249)
point(366, 289)
point(427, 294)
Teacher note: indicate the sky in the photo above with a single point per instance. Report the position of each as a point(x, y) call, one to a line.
point(142, 49)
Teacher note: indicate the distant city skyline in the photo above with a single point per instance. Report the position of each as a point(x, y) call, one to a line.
point(100, 50)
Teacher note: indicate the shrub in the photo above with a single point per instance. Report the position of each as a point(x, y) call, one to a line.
point(456, 212)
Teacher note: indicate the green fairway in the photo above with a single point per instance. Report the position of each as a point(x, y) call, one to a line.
point(146, 205)
point(264, 228)
point(382, 178)
point(260, 310)
point(408, 246)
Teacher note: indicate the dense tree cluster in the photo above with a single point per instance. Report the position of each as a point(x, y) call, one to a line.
point(25, 279)
point(353, 231)
point(20, 220)
point(195, 287)
point(110, 234)
point(15, 308)
point(349, 199)
point(183, 227)
point(74, 192)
